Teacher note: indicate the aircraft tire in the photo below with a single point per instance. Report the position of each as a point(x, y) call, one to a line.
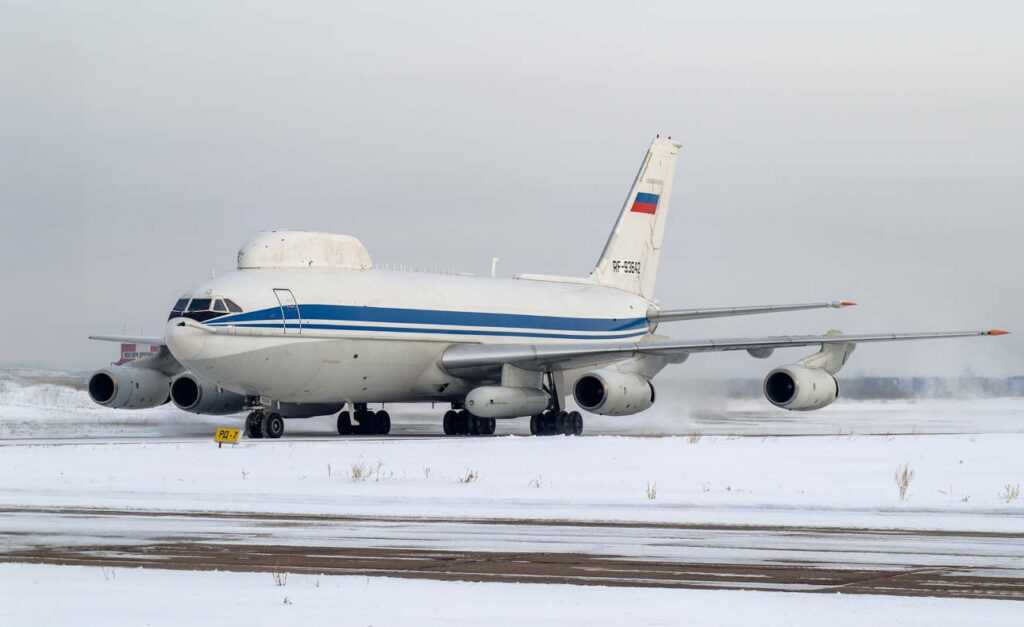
point(474, 425)
point(563, 424)
point(382, 421)
point(253, 425)
point(272, 426)
point(366, 423)
point(450, 423)
point(344, 423)
point(489, 425)
point(463, 422)
point(535, 422)
point(577, 422)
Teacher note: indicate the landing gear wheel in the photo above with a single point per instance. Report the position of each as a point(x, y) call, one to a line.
point(366, 423)
point(489, 426)
point(463, 422)
point(474, 425)
point(535, 424)
point(272, 426)
point(576, 418)
point(451, 422)
point(344, 424)
point(254, 425)
point(382, 421)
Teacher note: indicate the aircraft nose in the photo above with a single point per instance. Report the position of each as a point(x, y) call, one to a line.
point(185, 342)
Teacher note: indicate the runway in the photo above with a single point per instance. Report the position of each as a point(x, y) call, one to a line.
point(965, 564)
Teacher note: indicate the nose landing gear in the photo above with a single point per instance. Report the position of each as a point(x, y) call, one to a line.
point(259, 424)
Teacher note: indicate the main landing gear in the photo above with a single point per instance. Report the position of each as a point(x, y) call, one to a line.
point(464, 423)
point(367, 422)
point(259, 424)
point(557, 423)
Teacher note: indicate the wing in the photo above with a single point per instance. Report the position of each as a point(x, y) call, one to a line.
point(671, 315)
point(472, 360)
point(131, 339)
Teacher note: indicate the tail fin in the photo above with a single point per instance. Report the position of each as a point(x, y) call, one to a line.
point(630, 258)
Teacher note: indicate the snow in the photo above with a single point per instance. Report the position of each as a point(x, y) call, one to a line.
point(815, 480)
point(728, 462)
point(49, 595)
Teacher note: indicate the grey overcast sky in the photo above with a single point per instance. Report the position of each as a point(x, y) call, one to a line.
point(870, 151)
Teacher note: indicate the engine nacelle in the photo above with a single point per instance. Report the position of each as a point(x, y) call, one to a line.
point(800, 388)
point(499, 401)
point(125, 387)
point(613, 393)
point(199, 397)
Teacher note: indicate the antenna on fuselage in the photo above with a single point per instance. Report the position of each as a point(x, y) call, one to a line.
point(494, 266)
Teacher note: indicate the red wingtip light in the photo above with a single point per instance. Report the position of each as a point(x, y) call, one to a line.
point(847, 303)
point(998, 332)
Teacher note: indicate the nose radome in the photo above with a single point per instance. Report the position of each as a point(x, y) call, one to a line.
point(184, 342)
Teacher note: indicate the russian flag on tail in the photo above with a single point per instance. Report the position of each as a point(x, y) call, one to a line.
point(645, 203)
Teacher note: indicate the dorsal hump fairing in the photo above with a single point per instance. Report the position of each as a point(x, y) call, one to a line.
point(630, 258)
point(303, 249)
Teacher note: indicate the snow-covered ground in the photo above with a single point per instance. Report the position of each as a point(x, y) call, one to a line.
point(732, 463)
point(53, 595)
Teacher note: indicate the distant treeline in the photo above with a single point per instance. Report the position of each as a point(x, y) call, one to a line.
point(897, 387)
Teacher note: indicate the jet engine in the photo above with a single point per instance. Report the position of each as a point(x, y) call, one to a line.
point(613, 393)
point(498, 401)
point(125, 387)
point(192, 395)
point(800, 388)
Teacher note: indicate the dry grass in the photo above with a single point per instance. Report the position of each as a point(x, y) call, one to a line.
point(652, 490)
point(280, 579)
point(694, 437)
point(903, 476)
point(470, 476)
point(1010, 493)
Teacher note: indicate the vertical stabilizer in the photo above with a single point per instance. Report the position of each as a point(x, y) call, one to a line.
point(630, 258)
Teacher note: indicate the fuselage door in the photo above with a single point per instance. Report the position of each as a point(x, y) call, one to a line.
point(291, 320)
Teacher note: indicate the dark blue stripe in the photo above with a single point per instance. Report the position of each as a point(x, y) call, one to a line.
point(647, 199)
point(345, 313)
point(355, 327)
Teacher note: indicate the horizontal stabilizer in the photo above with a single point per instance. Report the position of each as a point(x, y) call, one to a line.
point(672, 315)
point(131, 339)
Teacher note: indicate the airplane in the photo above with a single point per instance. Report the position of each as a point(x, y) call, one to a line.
point(307, 326)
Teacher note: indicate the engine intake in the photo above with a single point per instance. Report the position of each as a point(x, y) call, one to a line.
point(125, 387)
point(800, 388)
point(613, 393)
point(198, 397)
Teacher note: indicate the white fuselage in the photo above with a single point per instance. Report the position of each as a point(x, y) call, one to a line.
point(377, 335)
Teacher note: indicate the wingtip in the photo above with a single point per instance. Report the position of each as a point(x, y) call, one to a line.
point(846, 303)
point(998, 332)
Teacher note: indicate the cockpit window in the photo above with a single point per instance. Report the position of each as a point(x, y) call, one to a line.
point(179, 307)
point(203, 309)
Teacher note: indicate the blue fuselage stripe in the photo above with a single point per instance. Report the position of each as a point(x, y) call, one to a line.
point(357, 327)
point(350, 314)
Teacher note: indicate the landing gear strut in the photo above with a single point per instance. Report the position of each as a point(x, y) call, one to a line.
point(557, 423)
point(367, 422)
point(259, 424)
point(464, 423)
